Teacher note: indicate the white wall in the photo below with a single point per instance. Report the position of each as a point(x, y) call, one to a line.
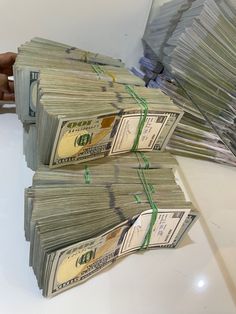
point(112, 27)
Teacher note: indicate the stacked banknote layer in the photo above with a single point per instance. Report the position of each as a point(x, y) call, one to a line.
point(41, 53)
point(88, 106)
point(198, 53)
point(83, 212)
point(136, 160)
point(193, 137)
point(162, 22)
point(80, 219)
point(81, 119)
point(209, 42)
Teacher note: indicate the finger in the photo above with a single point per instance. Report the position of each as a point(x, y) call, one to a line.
point(8, 97)
point(7, 60)
point(4, 84)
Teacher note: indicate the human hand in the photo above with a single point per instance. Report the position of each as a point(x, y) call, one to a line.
point(7, 60)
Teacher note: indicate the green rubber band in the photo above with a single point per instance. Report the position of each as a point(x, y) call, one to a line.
point(137, 198)
point(148, 191)
point(151, 187)
point(87, 175)
point(98, 69)
point(145, 159)
point(144, 106)
point(137, 156)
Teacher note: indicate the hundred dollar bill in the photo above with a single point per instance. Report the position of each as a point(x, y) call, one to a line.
point(79, 140)
point(133, 160)
point(75, 264)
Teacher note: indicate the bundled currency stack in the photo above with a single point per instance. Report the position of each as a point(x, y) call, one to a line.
point(80, 120)
point(85, 110)
point(41, 53)
point(83, 211)
point(198, 54)
point(80, 219)
point(209, 42)
point(193, 137)
point(162, 21)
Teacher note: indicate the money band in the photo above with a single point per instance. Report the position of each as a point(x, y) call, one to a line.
point(99, 70)
point(112, 76)
point(144, 106)
point(137, 198)
point(87, 175)
point(144, 158)
point(148, 191)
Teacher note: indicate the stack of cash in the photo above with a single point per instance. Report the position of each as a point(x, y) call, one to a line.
point(41, 53)
point(88, 106)
point(203, 65)
point(161, 23)
point(81, 119)
point(137, 160)
point(80, 219)
point(77, 107)
point(193, 137)
point(169, 20)
point(200, 36)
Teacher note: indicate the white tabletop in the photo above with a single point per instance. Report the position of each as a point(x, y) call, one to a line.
point(199, 277)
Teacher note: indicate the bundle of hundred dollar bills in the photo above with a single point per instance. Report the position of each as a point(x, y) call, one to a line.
point(193, 136)
point(83, 212)
point(41, 53)
point(87, 115)
point(195, 42)
point(80, 219)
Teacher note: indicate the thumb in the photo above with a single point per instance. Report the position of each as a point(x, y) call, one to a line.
point(4, 85)
point(7, 60)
